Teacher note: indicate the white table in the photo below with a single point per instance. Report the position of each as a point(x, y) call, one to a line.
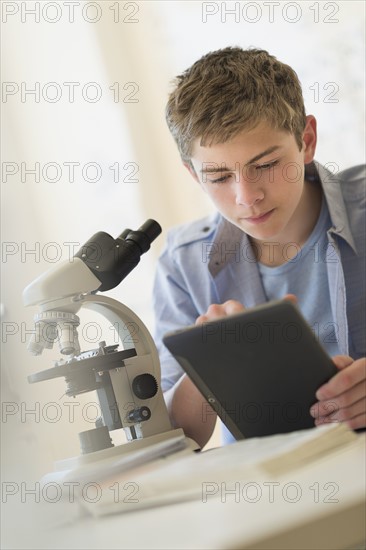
point(327, 513)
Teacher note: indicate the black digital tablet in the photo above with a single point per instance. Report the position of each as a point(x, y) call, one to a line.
point(259, 370)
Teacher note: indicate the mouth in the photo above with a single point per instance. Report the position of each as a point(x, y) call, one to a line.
point(261, 218)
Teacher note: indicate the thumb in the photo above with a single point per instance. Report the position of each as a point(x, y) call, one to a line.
point(342, 361)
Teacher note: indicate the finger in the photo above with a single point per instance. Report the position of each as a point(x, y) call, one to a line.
point(201, 319)
point(342, 361)
point(214, 311)
point(357, 422)
point(348, 414)
point(342, 381)
point(291, 298)
point(233, 306)
point(324, 408)
point(217, 311)
point(346, 399)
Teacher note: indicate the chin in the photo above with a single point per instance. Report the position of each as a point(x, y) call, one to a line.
point(271, 236)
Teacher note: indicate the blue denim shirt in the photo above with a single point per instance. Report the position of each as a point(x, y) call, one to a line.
point(211, 261)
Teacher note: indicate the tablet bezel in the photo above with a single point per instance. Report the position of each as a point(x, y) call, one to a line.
point(197, 346)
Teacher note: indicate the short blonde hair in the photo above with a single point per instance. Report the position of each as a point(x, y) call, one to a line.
point(229, 90)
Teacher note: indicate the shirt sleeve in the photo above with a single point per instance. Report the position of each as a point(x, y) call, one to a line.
point(173, 309)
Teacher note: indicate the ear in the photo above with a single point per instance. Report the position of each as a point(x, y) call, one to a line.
point(309, 138)
point(191, 170)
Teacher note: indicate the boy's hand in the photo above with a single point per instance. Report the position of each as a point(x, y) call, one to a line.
point(215, 311)
point(343, 398)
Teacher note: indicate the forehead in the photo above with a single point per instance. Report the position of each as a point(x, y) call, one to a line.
point(246, 144)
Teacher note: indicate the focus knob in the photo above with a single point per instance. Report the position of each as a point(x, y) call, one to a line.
point(139, 415)
point(144, 386)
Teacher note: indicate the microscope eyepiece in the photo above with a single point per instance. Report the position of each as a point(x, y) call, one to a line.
point(111, 260)
point(151, 229)
point(143, 236)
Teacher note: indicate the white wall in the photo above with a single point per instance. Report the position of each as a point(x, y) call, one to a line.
point(151, 43)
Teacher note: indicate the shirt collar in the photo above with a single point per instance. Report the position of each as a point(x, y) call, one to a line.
point(331, 184)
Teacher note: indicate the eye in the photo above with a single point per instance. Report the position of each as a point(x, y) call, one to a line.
point(267, 166)
point(222, 179)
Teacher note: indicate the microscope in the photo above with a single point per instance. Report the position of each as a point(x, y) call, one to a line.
point(126, 381)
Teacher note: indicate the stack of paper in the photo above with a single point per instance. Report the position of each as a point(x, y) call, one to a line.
point(178, 478)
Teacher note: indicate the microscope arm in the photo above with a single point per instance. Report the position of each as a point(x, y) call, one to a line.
point(133, 334)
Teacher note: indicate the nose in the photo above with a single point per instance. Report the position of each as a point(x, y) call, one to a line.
point(248, 193)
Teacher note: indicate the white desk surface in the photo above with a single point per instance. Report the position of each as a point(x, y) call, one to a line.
point(279, 524)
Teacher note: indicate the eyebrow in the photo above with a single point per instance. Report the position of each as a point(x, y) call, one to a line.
point(212, 169)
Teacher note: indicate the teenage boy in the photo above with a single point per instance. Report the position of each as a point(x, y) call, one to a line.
point(285, 225)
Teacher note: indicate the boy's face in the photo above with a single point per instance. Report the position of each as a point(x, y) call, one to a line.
point(256, 180)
